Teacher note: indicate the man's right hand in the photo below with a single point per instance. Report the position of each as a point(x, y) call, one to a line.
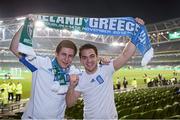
point(74, 79)
point(72, 95)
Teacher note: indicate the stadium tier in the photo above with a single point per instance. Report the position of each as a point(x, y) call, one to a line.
point(154, 103)
point(45, 40)
point(160, 102)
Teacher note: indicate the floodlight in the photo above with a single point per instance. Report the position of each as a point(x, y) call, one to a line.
point(117, 44)
point(20, 18)
point(39, 24)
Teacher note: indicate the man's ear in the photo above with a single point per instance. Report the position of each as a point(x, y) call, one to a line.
point(56, 54)
point(98, 58)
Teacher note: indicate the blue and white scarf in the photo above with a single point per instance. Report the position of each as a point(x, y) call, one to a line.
point(61, 75)
point(61, 78)
point(117, 26)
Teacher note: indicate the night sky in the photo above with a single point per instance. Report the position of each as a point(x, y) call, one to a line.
point(149, 10)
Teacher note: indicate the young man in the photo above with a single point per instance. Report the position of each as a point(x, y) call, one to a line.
point(96, 84)
point(45, 102)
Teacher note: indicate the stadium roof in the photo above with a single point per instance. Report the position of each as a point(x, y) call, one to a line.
point(150, 10)
point(9, 26)
point(46, 40)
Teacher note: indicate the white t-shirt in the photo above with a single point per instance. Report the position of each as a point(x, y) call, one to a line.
point(44, 103)
point(97, 92)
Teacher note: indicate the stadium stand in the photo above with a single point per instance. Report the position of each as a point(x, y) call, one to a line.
point(164, 47)
point(146, 103)
point(12, 110)
point(149, 103)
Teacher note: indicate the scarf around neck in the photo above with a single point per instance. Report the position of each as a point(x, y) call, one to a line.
point(60, 74)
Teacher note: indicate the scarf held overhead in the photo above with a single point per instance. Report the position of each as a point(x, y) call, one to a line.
point(117, 26)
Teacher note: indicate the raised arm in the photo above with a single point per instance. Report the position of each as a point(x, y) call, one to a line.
point(14, 43)
point(128, 51)
point(72, 95)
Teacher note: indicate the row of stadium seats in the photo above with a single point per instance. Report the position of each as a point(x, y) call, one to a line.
point(136, 98)
point(141, 104)
point(169, 111)
point(160, 104)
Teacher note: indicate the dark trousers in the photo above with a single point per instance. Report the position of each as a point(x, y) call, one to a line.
point(10, 96)
point(18, 97)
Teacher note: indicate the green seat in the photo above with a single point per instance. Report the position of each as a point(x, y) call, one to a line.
point(142, 108)
point(168, 111)
point(174, 117)
point(137, 103)
point(161, 103)
point(158, 114)
point(132, 116)
point(123, 106)
point(148, 114)
point(148, 107)
point(170, 100)
point(154, 105)
point(136, 109)
point(176, 108)
point(177, 98)
point(124, 112)
point(118, 107)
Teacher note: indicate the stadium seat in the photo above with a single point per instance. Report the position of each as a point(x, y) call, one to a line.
point(176, 108)
point(174, 117)
point(132, 116)
point(148, 114)
point(142, 108)
point(136, 109)
point(168, 111)
point(124, 112)
point(148, 107)
point(177, 98)
point(158, 114)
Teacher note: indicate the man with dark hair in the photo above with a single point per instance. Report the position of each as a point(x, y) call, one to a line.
point(96, 84)
point(49, 80)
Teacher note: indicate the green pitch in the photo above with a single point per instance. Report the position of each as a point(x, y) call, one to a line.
point(26, 83)
point(130, 74)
